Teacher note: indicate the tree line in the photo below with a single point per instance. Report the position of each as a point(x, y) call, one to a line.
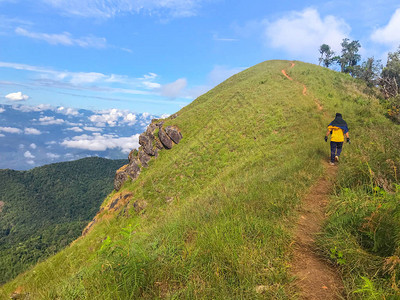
point(372, 71)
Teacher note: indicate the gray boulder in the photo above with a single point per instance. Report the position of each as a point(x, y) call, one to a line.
point(132, 155)
point(174, 133)
point(164, 138)
point(144, 158)
point(146, 142)
point(132, 170)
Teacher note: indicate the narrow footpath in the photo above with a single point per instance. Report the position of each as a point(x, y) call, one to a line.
point(315, 278)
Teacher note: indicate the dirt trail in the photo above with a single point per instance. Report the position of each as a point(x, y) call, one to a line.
point(319, 106)
point(287, 76)
point(316, 279)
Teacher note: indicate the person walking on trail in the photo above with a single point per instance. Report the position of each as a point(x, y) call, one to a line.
point(338, 129)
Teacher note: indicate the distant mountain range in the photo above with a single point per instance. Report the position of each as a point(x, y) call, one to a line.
point(32, 136)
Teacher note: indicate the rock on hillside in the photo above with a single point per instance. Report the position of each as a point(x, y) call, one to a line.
point(154, 139)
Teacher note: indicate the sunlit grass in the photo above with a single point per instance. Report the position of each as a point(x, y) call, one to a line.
point(251, 148)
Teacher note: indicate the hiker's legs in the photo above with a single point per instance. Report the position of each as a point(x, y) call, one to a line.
point(339, 148)
point(333, 151)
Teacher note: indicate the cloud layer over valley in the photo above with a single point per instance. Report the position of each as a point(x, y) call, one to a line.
point(43, 134)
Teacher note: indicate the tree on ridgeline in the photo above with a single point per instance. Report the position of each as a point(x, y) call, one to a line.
point(369, 71)
point(390, 77)
point(390, 84)
point(327, 55)
point(350, 57)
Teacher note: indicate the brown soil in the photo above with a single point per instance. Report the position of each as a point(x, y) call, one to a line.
point(316, 279)
point(304, 90)
point(286, 75)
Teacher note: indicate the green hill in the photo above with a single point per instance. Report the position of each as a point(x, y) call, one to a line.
point(46, 208)
point(222, 205)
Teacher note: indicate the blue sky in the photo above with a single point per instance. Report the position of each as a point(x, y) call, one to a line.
point(157, 56)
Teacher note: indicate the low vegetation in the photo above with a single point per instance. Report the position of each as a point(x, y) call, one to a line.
point(222, 205)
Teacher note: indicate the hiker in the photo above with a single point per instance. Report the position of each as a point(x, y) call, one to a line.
point(338, 129)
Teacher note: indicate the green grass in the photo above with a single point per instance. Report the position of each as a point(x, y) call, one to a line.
point(364, 216)
point(251, 148)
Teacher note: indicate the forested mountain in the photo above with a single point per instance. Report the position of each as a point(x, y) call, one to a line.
point(44, 209)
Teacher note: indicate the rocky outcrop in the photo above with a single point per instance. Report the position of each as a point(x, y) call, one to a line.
point(174, 133)
point(164, 138)
point(131, 170)
point(144, 158)
point(153, 140)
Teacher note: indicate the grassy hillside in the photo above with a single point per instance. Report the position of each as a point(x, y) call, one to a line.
point(46, 208)
point(221, 205)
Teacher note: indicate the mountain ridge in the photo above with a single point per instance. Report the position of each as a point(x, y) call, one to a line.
point(221, 206)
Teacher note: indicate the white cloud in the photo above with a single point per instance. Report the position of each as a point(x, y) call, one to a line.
point(28, 154)
point(98, 142)
point(52, 155)
point(151, 85)
point(301, 33)
point(33, 146)
point(93, 129)
point(18, 96)
point(2, 135)
point(2, 110)
point(109, 117)
point(174, 89)
point(76, 129)
point(10, 130)
point(108, 9)
point(50, 121)
point(164, 116)
point(112, 117)
point(64, 38)
point(389, 34)
point(37, 108)
point(68, 111)
point(148, 81)
point(93, 81)
point(33, 131)
point(130, 119)
point(25, 67)
point(88, 77)
point(30, 162)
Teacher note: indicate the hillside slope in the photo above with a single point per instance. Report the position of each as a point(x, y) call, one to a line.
point(222, 205)
point(46, 208)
